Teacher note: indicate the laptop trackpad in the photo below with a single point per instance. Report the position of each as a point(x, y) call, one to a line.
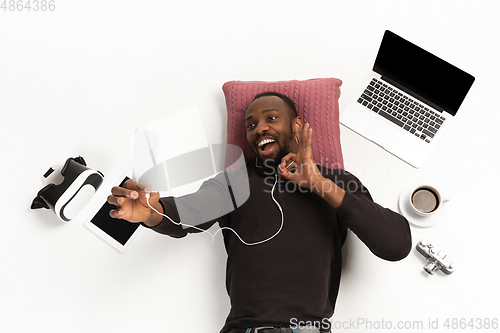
point(384, 134)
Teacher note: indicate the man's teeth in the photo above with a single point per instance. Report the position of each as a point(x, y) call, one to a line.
point(263, 142)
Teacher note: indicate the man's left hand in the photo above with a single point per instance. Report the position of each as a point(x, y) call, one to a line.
point(306, 173)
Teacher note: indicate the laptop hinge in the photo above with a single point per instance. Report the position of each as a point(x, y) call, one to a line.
point(409, 92)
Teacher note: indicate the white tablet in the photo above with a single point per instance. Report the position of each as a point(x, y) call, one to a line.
point(117, 233)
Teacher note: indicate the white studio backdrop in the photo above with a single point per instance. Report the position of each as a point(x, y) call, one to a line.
point(79, 79)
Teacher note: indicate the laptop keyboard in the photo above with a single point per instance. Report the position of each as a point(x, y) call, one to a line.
point(402, 110)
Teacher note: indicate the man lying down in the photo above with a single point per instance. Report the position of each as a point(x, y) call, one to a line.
point(284, 243)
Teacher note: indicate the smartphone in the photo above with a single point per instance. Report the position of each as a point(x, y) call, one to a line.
point(116, 232)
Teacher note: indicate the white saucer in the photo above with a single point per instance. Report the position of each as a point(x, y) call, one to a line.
point(414, 218)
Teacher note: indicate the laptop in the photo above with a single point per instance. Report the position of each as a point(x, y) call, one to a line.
point(408, 102)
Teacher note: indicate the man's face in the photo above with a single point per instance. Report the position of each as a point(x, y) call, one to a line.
point(269, 128)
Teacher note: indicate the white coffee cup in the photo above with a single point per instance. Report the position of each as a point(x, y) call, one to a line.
point(425, 200)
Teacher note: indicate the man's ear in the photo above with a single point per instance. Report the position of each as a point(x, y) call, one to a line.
point(298, 124)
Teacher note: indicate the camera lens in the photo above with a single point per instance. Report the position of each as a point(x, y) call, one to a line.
point(431, 267)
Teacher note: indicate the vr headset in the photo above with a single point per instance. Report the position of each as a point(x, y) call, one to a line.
point(69, 196)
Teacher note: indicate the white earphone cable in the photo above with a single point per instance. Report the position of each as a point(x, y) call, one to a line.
point(228, 228)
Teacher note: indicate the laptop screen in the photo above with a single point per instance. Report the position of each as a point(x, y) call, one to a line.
point(422, 74)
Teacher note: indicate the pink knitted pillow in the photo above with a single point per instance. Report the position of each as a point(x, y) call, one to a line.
point(316, 101)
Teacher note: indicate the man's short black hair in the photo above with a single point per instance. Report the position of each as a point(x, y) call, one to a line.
point(286, 99)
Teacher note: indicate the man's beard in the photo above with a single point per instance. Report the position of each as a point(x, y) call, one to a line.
point(283, 150)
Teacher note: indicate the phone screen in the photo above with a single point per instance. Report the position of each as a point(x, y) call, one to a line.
point(119, 230)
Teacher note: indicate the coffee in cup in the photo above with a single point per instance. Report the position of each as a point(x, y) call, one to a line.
point(426, 200)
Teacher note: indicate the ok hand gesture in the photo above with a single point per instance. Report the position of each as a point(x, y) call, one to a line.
point(306, 173)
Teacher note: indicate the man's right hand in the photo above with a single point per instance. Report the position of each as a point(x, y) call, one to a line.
point(132, 204)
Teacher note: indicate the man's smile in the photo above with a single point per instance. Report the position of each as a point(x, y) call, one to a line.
point(266, 145)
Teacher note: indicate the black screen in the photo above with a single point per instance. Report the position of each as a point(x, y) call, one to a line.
point(422, 74)
point(120, 230)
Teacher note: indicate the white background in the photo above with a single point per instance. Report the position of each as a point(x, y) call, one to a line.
point(78, 80)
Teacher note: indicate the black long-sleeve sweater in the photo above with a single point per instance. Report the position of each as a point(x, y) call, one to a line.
point(295, 275)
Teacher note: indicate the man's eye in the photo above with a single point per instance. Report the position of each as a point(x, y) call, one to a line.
point(250, 126)
point(272, 117)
